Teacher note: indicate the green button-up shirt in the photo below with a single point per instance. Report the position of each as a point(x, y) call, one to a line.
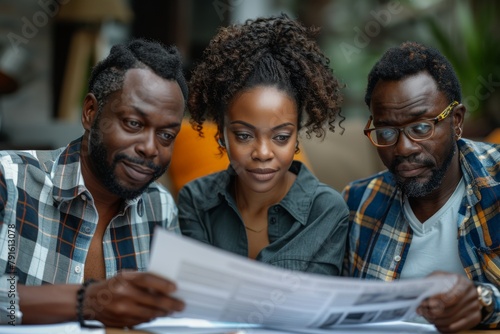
point(307, 229)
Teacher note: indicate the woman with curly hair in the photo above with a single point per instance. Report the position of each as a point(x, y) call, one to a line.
point(262, 82)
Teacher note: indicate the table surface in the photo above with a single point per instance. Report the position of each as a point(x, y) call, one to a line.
point(122, 331)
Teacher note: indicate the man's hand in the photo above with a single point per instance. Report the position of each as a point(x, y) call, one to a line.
point(456, 310)
point(130, 298)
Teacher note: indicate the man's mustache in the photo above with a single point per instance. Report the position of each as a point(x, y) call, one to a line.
point(143, 162)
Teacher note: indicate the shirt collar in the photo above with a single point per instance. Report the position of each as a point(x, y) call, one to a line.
point(67, 178)
point(475, 174)
point(66, 174)
point(297, 201)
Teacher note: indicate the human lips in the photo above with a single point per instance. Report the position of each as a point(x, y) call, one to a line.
point(138, 172)
point(262, 174)
point(407, 170)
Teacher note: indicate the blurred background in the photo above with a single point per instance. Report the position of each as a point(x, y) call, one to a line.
point(47, 48)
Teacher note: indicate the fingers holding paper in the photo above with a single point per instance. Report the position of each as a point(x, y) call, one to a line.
point(131, 298)
point(453, 311)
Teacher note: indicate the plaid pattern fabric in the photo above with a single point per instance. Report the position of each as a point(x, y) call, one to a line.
point(48, 218)
point(379, 235)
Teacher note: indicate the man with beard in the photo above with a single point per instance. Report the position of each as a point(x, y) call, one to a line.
point(86, 213)
point(436, 210)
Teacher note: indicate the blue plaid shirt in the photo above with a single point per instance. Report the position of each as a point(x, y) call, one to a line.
point(380, 237)
point(48, 218)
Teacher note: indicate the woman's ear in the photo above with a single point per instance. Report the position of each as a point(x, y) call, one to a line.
point(89, 111)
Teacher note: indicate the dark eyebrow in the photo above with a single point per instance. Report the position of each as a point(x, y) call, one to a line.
point(138, 110)
point(144, 115)
point(415, 114)
point(253, 127)
point(248, 125)
point(284, 125)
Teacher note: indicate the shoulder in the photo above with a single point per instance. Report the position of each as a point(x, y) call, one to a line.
point(14, 163)
point(19, 158)
point(383, 178)
point(206, 187)
point(307, 184)
point(159, 205)
point(326, 198)
point(156, 192)
point(309, 195)
point(488, 153)
point(483, 158)
point(382, 183)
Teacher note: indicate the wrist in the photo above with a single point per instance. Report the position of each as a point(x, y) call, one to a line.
point(82, 306)
point(486, 298)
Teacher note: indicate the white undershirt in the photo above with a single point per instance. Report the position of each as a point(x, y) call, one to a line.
point(434, 245)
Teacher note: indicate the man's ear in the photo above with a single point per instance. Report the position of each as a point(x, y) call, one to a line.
point(89, 111)
point(459, 115)
point(458, 120)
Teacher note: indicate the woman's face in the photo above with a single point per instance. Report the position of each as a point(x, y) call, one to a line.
point(260, 134)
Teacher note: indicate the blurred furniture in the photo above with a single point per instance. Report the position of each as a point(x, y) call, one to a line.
point(84, 18)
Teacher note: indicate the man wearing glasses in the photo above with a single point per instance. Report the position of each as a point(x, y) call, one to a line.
point(436, 210)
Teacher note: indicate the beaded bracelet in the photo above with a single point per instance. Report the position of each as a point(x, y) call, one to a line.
point(80, 297)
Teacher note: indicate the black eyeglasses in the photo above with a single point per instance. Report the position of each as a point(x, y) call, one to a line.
point(417, 131)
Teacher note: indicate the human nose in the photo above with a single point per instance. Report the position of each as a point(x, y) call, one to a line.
point(405, 145)
point(147, 146)
point(262, 150)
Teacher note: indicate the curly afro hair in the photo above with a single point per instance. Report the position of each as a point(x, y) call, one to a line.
point(411, 58)
point(275, 51)
point(108, 75)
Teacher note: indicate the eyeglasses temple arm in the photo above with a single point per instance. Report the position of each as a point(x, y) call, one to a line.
point(367, 126)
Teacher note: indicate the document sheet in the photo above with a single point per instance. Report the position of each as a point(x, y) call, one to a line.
point(220, 286)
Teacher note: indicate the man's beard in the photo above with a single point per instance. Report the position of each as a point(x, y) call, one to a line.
point(411, 187)
point(105, 172)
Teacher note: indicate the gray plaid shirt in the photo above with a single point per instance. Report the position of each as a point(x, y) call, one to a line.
point(48, 218)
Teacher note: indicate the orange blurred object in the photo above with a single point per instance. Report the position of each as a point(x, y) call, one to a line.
point(493, 137)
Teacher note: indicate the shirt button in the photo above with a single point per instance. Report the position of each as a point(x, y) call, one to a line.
point(87, 229)
point(78, 269)
point(84, 197)
point(273, 220)
point(469, 192)
point(276, 208)
point(397, 258)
